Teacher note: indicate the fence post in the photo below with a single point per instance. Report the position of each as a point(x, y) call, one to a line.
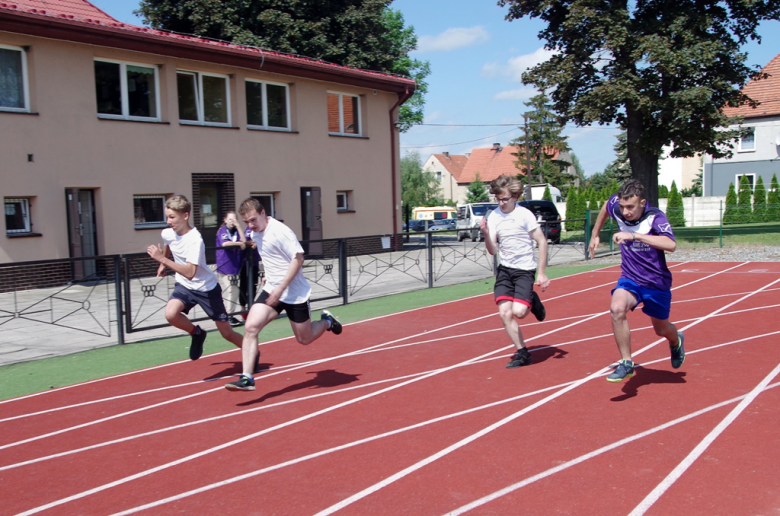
point(128, 308)
point(429, 245)
point(720, 226)
point(343, 272)
point(587, 234)
point(120, 330)
point(251, 273)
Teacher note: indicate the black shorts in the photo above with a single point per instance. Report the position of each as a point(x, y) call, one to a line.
point(211, 301)
point(514, 285)
point(298, 313)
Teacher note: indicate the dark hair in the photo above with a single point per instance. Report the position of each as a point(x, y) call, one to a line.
point(631, 188)
point(250, 204)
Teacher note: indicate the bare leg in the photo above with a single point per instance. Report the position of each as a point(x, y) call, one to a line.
point(308, 331)
point(509, 312)
point(174, 314)
point(229, 334)
point(622, 303)
point(260, 315)
point(663, 328)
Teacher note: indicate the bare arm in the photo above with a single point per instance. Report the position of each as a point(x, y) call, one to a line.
point(161, 253)
point(541, 276)
point(594, 234)
point(491, 242)
point(664, 243)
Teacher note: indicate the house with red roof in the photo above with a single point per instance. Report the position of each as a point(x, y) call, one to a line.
point(447, 168)
point(102, 121)
point(756, 154)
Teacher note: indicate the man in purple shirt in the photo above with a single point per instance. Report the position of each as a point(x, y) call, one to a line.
point(645, 234)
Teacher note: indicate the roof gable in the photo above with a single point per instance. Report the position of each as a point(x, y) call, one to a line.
point(490, 163)
point(765, 91)
point(454, 164)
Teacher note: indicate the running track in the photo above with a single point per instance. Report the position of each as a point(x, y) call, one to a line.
point(415, 413)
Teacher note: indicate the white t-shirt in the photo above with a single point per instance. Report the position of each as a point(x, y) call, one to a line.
point(189, 248)
point(513, 232)
point(278, 246)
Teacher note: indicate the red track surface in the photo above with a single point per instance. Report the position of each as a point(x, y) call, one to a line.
point(415, 413)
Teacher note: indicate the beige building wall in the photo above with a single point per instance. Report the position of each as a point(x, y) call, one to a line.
point(71, 147)
point(450, 190)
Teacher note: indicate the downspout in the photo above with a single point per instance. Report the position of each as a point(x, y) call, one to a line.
point(401, 99)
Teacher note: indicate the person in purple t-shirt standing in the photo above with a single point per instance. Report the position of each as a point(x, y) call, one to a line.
point(230, 244)
point(645, 235)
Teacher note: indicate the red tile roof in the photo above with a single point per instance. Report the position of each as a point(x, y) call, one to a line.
point(69, 17)
point(490, 163)
point(453, 163)
point(766, 91)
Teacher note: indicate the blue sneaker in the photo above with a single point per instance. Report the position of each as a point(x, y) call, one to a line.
point(244, 383)
point(335, 325)
point(678, 351)
point(624, 369)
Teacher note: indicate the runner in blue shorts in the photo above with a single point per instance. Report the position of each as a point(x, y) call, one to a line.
point(645, 234)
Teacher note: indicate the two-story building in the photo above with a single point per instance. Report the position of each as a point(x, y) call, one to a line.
point(102, 121)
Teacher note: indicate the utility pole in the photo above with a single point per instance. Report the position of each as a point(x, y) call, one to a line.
point(527, 189)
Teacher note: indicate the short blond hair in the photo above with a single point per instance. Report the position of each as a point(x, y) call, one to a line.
point(179, 203)
point(509, 183)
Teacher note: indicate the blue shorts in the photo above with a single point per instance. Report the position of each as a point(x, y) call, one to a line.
point(658, 303)
point(211, 301)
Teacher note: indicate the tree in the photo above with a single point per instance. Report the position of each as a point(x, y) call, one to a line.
point(547, 196)
point(364, 34)
point(773, 201)
point(663, 192)
point(620, 169)
point(663, 70)
point(730, 215)
point(418, 187)
point(744, 207)
point(476, 191)
point(695, 188)
point(674, 208)
point(759, 201)
point(571, 211)
point(544, 141)
point(575, 161)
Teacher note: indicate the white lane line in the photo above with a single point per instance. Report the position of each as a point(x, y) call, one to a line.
point(276, 427)
point(595, 453)
point(677, 472)
point(468, 440)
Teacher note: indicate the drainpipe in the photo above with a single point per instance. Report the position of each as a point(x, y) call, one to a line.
point(401, 99)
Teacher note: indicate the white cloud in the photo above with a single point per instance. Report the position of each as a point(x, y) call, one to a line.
point(453, 38)
point(515, 67)
point(524, 93)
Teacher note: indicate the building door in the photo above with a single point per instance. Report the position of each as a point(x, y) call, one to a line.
point(82, 231)
point(311, 216)
point(210, 217)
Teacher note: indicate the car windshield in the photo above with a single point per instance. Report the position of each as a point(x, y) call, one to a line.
point(481, 209)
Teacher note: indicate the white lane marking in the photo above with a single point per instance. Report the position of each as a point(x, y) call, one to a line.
point(677, 472)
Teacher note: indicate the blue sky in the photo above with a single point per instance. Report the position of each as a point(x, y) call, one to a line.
point(476, 59)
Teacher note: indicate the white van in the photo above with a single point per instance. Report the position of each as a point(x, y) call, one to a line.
point(469, 216)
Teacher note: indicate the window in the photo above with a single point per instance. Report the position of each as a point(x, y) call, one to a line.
point(17, 216)
point(267, 105)
point(342, 201)
point(438, 176)
point(149, 211)
point(267, 200)
point(748, 141)
point(13, 79)
point(343, 114)
point(751, 181)
point(203, 98)
point(126, 91)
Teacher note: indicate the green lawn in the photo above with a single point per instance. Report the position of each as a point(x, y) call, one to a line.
point(30, 377)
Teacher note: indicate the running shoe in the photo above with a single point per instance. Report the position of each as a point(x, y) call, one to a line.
point(678, 351)
point(537, 308)
point(244, 383)
point(196, 347)
point(235, 322)
point(624, 369)
point(521, 358)
point(335, 325)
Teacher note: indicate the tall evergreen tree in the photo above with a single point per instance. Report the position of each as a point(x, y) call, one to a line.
point(663, 192)
point(674, 208)
point(744, 206)
point(660, 69)
point(571, 210)
point(364, 34)
point(476, 191)
point(773, 201)
point(730, 214)
point(759, 201)
point(620, 168)
point(418, 187)
point(547, 196)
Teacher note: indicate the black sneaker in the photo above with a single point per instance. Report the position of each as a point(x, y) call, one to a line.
point(196, 347)
point(537, 308)
point(257, 363)
point(235, 322)
point(521, 358)
point(678, 352)
point(335, 325)
point(244, 383)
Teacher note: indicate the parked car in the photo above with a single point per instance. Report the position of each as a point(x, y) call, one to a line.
point(416, 225)
point(442, 225)
point(547, 215)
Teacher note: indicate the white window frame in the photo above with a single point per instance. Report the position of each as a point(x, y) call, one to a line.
point(341, 114)
point(741, 140)
point(269, 210)
point(199, 98)
point(265, 125)
point(124, 91)
point(25, 215)
point(345, 195)
point(738, 178)
point(25, 82)
point(156, 224)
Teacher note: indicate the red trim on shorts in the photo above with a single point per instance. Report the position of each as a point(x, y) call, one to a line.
point(507, 298)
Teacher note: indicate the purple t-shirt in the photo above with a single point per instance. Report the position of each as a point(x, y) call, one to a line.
point(228, 259)
point(644, 265)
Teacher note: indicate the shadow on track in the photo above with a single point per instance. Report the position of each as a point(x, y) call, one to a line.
point(322, 379)
point(645, 376)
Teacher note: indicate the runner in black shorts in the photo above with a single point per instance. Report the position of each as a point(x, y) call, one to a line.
point(512, 231)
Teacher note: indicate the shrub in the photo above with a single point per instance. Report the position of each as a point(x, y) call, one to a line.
point(759, 201)
point(773, 201)
point(674, 208)
point(730, 215)
point(744, 206)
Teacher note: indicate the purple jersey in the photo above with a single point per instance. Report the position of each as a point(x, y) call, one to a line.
point(228, 259)
point(644, 265)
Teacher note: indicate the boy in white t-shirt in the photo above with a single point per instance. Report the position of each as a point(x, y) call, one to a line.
point(284, 288)
point(512, 230)
point(196, 284)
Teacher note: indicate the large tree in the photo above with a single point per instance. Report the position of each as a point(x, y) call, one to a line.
point(418, 187)
point(662, 69)
point(357, 33)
